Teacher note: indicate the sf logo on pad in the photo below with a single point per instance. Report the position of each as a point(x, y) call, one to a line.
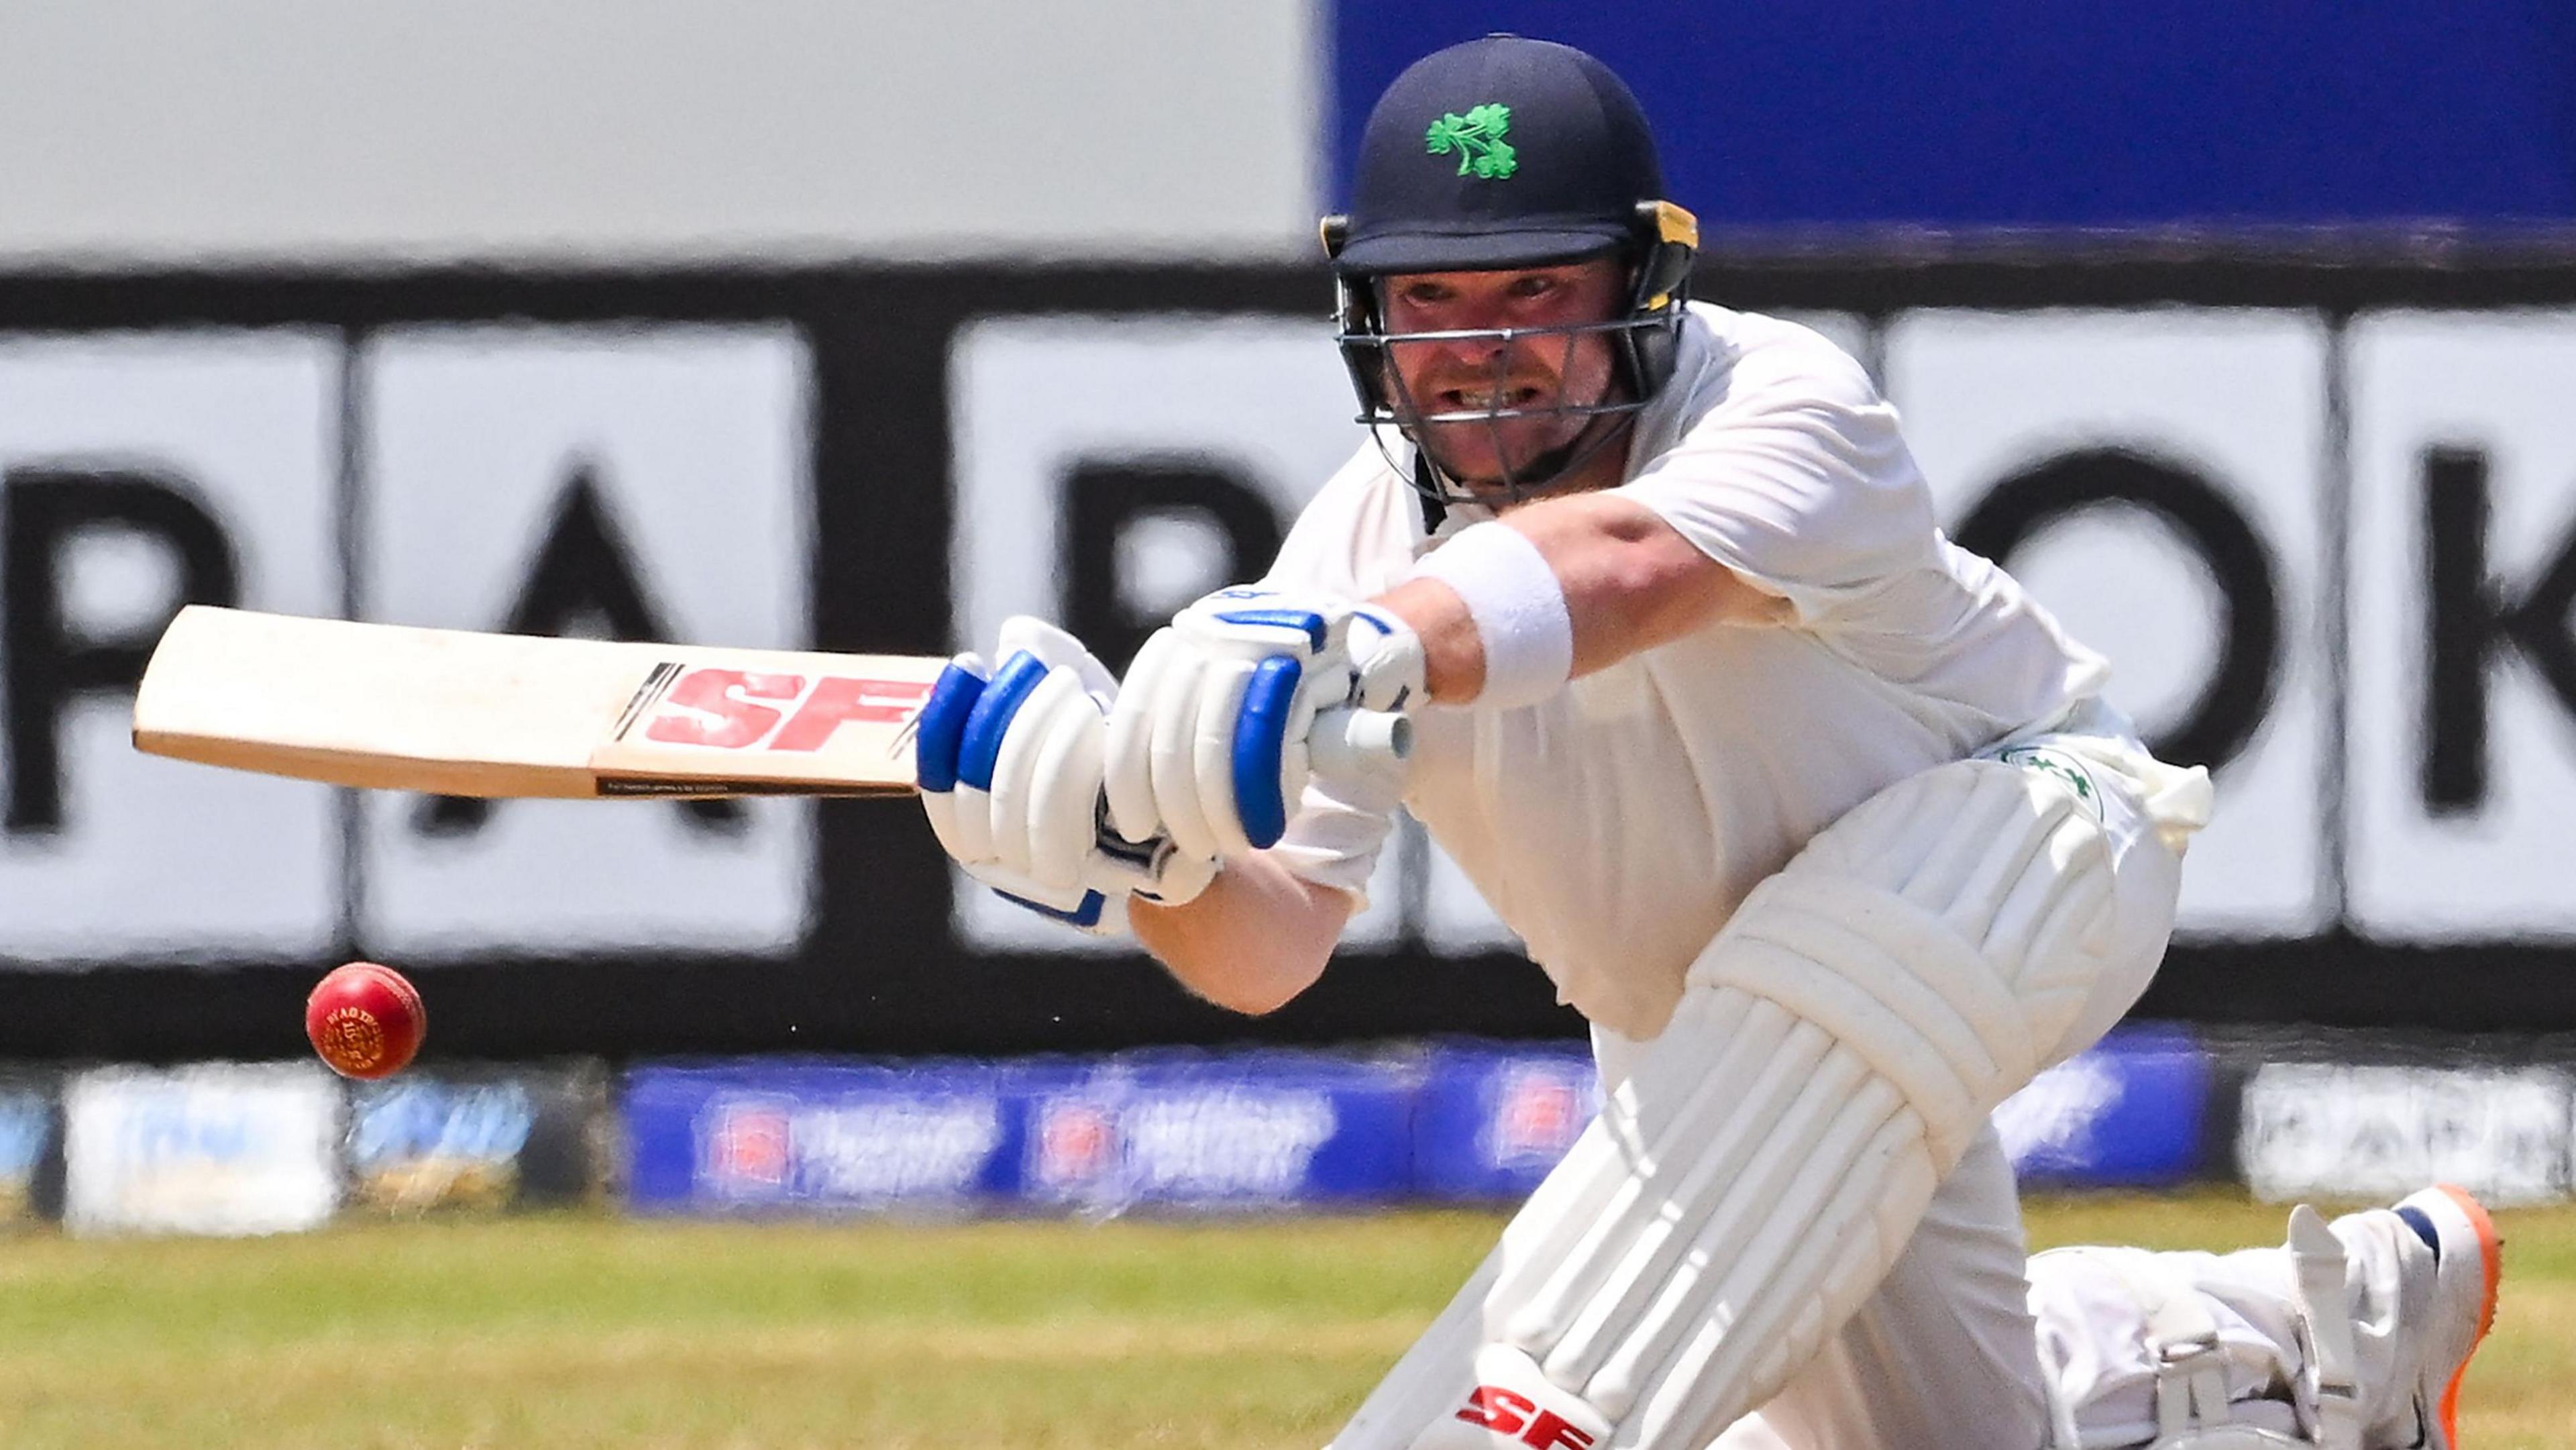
point(1507, 1412)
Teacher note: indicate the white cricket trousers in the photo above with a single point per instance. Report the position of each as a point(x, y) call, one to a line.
point(1947, 1353)
point(1944, 1356)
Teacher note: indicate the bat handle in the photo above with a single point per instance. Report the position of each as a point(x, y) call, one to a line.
point(1359, 745)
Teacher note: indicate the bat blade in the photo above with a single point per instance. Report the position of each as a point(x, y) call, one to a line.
point(455, 712)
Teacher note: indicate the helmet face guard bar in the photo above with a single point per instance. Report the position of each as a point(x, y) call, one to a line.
point(1644, 342)
point(1388, 402)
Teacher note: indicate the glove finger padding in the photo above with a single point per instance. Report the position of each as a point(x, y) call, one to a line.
point(1062, 821)
point(1056, 649)
point(1249, 753)
point(1203, 785)
point(938, 740)
point(1025, 770)
point(1272, 747)
point(1208, 738)
point(1127, 777)
point(1296, 661)
point(1172, 751)
point(1009, 762)
point(1062, 813)
point(987, 733)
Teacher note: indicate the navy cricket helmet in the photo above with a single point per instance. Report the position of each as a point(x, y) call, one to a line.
point(1497, 154)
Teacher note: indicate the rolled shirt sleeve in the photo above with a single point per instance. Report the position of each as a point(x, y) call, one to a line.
point(1797, 480)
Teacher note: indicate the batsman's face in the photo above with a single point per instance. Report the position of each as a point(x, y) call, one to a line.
point(1506, 365)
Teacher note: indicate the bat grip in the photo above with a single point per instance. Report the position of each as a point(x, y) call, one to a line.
point(1359, 745)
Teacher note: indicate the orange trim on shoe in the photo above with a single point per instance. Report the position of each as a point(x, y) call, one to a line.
point(2491, 1259)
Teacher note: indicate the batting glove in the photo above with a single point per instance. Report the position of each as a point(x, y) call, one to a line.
point(1212, 736)
point(1009, 765)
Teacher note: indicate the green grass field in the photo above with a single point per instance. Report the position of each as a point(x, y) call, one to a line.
point(598, 1331)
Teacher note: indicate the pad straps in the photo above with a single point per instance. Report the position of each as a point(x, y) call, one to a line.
point(2182, 1340)
point(2317, 1256)
point(2191, 1367)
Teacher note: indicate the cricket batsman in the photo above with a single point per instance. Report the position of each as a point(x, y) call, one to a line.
point(1818, 818)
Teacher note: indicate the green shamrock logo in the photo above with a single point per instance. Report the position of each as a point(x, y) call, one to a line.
point(1477, 137)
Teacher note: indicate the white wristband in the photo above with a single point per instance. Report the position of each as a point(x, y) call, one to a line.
point(1519, 608)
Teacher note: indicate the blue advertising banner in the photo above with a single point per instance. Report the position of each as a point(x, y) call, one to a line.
point(1249, 1130)
point(755, 1135)
point(1244, 1130)
point(1461, 1121)
point(1491, 1120)
point(2130, 1112)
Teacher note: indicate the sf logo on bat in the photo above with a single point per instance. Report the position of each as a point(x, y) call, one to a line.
point(712, 708)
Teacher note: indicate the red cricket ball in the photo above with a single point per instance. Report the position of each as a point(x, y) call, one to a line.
point(365, 1020)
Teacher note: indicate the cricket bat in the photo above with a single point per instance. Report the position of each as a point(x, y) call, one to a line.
point(455, 712)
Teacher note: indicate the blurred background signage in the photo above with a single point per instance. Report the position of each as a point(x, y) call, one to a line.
point(2255, 386)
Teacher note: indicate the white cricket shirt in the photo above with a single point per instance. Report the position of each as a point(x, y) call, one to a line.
point(1615, 826)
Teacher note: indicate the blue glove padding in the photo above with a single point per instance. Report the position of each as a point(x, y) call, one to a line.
point(1209, 737)
point(1009, 768)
